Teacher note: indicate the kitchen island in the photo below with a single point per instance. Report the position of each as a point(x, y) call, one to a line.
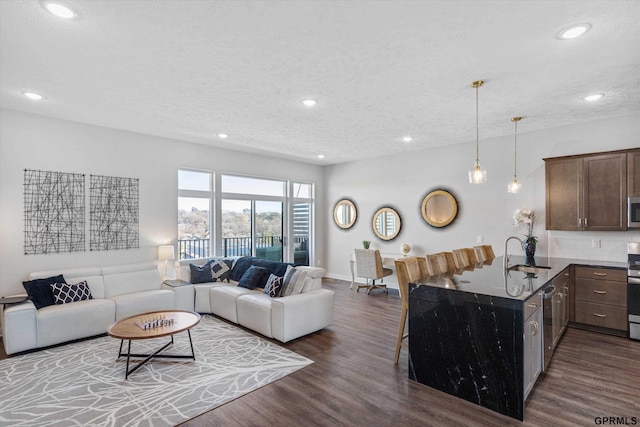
point(467, 332)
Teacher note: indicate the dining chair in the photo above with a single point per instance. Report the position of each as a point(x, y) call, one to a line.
point(369, 266)
point(408, 270)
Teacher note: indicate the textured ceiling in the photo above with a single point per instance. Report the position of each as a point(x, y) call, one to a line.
point(379, 70)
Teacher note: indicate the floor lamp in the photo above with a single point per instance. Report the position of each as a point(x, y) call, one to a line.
point(166, 253)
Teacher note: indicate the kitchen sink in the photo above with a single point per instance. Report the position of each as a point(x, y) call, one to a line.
point(528, 268)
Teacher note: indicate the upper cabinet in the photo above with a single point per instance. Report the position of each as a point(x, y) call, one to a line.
point(587, 192)
point(633, 173)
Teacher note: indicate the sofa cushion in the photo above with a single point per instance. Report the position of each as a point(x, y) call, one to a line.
point(244, 263)
point(201, 274)
point(65, 322)
point(293, 282)
point(64, 293)
point(254, 277)
point(273, 286)
point(39, 290)
point(254, 312)
point(143, 302)
point(222, 301)
point(131, 282)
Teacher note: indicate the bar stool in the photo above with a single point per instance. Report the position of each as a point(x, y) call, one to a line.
point(436, 264)
point(461, 258)
point(408, 270)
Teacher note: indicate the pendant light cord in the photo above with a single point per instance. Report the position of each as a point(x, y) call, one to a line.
point(515, 152)
point(477, 131)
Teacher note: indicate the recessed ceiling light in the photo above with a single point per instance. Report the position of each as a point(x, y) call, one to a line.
point(33, 95)
point(309, 102)
point(321, 156)
point(407, 139)
point(223, 135)
point(59, 9)
point(575, 31)
point(593, 97)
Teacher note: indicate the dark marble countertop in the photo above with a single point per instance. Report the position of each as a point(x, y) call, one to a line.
point(494, 281)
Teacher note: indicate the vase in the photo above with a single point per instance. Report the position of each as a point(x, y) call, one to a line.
point(530, 251)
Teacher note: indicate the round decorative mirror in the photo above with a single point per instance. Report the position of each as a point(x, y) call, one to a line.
point(386, 223)
point(439, 208)
point(345, 213)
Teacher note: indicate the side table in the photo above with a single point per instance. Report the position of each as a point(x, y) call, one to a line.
point(13, 300)
point(185, 294)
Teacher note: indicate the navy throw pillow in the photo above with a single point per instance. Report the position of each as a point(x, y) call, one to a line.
point(39, 290)
point(254, 277)
point(273, 286)
point(201, 274)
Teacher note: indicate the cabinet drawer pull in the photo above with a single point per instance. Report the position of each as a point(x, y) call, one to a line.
point(599, 274)
point(586, 222)
point(534, 331)
point(532, 305)
point(579, 222)
point(595, 291)
point(599, 315)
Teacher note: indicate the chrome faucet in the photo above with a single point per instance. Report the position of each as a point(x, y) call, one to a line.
point(506, 256)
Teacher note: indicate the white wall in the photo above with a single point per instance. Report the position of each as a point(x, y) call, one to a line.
point(36, 142)
point(486, 210)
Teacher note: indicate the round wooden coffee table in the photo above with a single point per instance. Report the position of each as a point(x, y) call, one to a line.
point(154, 324)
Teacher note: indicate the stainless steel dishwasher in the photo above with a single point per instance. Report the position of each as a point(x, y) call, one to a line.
point(554, 320)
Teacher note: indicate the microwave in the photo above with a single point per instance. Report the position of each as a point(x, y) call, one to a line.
point(633, 212)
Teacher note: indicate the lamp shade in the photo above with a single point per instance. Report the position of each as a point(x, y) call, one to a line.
point(166, 252)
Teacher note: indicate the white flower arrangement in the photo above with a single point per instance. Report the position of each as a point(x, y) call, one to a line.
point(526, 216)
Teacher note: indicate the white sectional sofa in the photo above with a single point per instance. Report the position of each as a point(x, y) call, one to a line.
point(118, 292)
point(284, 318)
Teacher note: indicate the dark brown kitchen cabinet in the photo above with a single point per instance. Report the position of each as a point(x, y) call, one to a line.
point(601, 297)
point(633, 173)
point(586, 192)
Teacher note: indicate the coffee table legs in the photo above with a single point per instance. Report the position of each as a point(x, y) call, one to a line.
point(152, 355)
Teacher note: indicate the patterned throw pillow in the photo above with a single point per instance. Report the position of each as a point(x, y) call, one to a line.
point(201, 274)
point(220, 269)
point(273, 286)
point(39, 290)
point(293, 281)
point(64, 293)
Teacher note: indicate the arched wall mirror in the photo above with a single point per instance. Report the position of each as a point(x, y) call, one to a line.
point(439, 208)
point(386, 223)
point(345, 214)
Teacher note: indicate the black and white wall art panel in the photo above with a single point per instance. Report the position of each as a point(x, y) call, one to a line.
point(54, 212)
point(113, 213)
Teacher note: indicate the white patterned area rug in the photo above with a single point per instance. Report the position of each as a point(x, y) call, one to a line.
point(83, 384)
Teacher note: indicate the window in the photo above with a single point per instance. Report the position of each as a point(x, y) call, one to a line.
point(194, 214)
point(302, 221)
point(252, 217)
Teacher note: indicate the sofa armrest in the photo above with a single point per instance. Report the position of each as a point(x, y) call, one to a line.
point(19, 327)
point(297, 315)
point(313, 272)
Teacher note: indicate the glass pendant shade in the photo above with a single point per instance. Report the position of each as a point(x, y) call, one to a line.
point(477, 174)
point(514, 186)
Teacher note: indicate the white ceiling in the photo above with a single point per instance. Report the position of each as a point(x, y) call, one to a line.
point(380, 70)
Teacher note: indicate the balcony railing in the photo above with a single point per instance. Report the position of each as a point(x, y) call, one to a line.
point(242, 246)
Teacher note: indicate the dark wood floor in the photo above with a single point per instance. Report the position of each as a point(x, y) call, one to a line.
point(354, 381)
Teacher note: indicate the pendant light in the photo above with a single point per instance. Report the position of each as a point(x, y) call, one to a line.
point(477, 175)
point(514, 186)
